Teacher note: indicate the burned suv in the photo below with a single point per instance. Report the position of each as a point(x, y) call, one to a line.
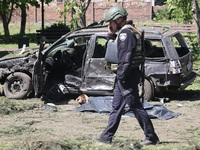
point(75, 64)
point(168, 61)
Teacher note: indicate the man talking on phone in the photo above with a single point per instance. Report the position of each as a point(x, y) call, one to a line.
point(128, 78)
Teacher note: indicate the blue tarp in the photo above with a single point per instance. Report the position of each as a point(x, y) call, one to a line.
point(104, 105)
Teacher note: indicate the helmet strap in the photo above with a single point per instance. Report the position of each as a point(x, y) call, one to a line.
point(118, 24)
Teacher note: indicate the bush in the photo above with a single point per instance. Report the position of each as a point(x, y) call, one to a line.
point(58, 25)
point(193, 44)
point(162, 14)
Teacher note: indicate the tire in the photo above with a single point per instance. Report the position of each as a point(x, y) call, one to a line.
point(148, 90)
point(18, 86)
point(1, 90)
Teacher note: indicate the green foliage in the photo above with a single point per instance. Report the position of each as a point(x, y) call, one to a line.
point(63, 12)
point(193, 44)
point(58, 25)
point(77, 9)
point(177, 10)
point(24, 4)
point(7, 7)
point(162, 14)
point(14, 39)
point(71, 7)
point(180, 10)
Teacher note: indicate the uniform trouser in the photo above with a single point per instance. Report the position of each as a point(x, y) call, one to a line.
point(119, 102)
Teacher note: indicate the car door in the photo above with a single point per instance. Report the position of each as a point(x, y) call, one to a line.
point(97, 76)
point(37, 77)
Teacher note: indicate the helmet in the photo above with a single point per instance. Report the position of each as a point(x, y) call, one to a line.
point(115, 12)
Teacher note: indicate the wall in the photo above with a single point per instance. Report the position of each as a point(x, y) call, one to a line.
point(137, 10)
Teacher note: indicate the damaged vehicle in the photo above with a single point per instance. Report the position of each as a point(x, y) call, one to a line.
point(78, 61)
point(168, 61)
point(16, 72)
point(75, 64)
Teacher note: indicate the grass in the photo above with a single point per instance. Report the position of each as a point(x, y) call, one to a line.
point(14, 29)
point(27, 134)
point(10, 106)
point(195, 86)
point(84, 144)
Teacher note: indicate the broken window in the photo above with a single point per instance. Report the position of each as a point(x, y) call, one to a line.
point(154, 48)
point(180, 45)
point(100, 47)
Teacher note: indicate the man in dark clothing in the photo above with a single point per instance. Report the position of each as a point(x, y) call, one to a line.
point(126, 87)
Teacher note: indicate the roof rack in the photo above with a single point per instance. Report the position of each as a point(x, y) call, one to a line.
point(155, 29)
point(96, 23)
point(154, 32)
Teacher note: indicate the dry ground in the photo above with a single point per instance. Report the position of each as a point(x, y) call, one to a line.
point(32, 129)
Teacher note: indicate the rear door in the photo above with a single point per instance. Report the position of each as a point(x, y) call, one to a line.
point(184, 54)
point(97, 75)
point(156, 60)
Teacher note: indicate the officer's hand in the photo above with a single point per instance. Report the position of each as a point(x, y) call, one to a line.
point(111, 31)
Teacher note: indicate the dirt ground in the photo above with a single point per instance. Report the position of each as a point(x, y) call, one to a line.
point(60, 123)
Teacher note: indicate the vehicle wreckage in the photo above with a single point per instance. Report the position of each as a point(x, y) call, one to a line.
point(75, 64)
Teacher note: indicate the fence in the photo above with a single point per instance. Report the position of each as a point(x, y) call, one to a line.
point(184, 28)
point(137, 10)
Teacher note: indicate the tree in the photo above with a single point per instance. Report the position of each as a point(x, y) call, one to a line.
point(6, 9)
point(188, 12)
point(180, 10)
point(24, 5)
point(78, 9)
point(196, 16)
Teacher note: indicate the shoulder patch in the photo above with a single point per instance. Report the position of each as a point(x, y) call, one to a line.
point(122, 36)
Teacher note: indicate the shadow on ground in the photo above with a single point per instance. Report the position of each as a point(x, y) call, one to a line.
point(3, 53)
point(185, 95)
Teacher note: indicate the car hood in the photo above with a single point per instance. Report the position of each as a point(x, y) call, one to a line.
point(17, 54)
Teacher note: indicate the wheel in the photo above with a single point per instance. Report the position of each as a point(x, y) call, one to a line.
point(148, 90)
point(18, 86)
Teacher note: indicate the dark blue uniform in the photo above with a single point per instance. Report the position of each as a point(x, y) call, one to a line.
point(126, 89)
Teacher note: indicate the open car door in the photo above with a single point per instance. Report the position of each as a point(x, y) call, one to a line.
point(37, 78)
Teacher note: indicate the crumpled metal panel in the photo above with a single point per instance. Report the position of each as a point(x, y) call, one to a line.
point(157, 67)
point(97, 76)
point(17, 64)
point(99, 83)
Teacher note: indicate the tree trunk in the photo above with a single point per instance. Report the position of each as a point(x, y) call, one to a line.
point(6, 14)
point(82, 20)
point(6, 29)
point(196, 16)
point(23, 21)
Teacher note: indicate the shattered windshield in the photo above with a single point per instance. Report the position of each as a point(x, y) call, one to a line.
point(62, 46)
point(68, 45)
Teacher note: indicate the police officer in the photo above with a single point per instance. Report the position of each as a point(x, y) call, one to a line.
point(126, 87)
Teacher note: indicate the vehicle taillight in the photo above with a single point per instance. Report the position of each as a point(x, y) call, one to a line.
point(175, 66)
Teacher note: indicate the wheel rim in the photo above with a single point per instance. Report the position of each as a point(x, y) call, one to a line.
point(15, 85)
